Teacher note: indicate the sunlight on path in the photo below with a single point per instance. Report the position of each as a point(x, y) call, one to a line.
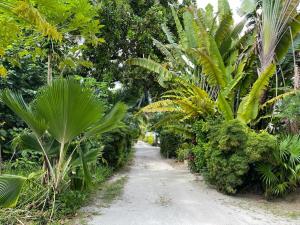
point(158, 193)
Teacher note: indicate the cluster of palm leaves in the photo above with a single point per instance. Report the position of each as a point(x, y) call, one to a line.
point(63, 115)
point(216, 67)
point(282, 172)
point(232, 63)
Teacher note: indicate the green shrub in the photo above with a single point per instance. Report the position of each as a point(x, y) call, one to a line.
point(169, 143)
point(196, 159)
point(182, 153)
point(118, 144)
point(280, 171)
point(150, 139)
point(226, 152)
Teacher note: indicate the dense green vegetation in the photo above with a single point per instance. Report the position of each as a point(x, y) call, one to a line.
point(82, 80)
point(231, 91)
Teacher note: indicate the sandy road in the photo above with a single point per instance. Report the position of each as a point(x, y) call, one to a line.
point(158, 193)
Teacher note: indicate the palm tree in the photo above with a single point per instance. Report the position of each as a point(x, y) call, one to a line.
point(215, 54)
point(61, 113)
point(206, 55)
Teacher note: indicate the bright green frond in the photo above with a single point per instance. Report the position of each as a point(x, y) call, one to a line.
point(164, 73)
point(17, 104)
point(110, 122)
point(10, 188)
point(68, 109)
point(249, 107)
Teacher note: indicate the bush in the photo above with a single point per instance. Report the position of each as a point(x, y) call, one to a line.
point(118, 144)
point(169, 143)
point(225, 152)
point(182, 153)
point(196, 159)
point(149, 139)
point(280, 171)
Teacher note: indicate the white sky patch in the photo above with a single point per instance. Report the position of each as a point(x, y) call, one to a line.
point(234, 4)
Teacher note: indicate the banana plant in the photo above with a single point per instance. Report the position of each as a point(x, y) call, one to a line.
point(214, 51)
point(207, 53)
point(65, 111)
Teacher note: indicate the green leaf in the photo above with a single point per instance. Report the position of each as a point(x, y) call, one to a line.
point(17, 104)
point(110, 122)
point(249, 107)
point(164, 73)
point(68, 109)
point(10, 188)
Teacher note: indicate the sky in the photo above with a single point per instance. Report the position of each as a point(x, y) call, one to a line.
point(234, 4)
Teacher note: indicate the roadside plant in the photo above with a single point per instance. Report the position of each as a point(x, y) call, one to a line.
point(280, 173)
point(62, 113)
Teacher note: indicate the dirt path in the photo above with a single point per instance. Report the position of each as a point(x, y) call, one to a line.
point(159, 193)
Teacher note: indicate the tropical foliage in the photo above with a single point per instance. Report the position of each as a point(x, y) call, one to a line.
point(216, 69)
point(221, 94)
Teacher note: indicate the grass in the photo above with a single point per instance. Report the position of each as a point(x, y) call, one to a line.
point(111, 191)
point(33, 206)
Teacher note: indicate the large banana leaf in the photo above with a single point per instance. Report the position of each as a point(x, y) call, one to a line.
point(164, 73)
point(249, 107)
point(10, 188)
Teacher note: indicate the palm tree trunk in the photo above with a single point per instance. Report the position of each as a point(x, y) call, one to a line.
point(49, 74)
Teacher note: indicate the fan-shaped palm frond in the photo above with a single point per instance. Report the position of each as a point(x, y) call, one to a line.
point(17, 104)
point(267, 174)
point(10, 188)
point(110, 122)
point(277, 15)
point(68, 109)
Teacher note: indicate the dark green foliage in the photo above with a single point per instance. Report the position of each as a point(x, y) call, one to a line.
point(280, 171)
point(183, 152)
point(169, 143)
point(25, 75)
point(118, 144)
point(226, 152)
point(226, 161)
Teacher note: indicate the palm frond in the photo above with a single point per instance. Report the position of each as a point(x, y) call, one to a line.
point(110, 122)
point(164, 73)
point(249, 107)
point(17, 104)
point(10, 188)
point(68, 109)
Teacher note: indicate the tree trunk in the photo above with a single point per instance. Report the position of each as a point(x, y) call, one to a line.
point(49, 75)
point(293, 126)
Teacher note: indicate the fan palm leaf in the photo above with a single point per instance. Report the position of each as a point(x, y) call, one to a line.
point(10, 188)
point(68, 109)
